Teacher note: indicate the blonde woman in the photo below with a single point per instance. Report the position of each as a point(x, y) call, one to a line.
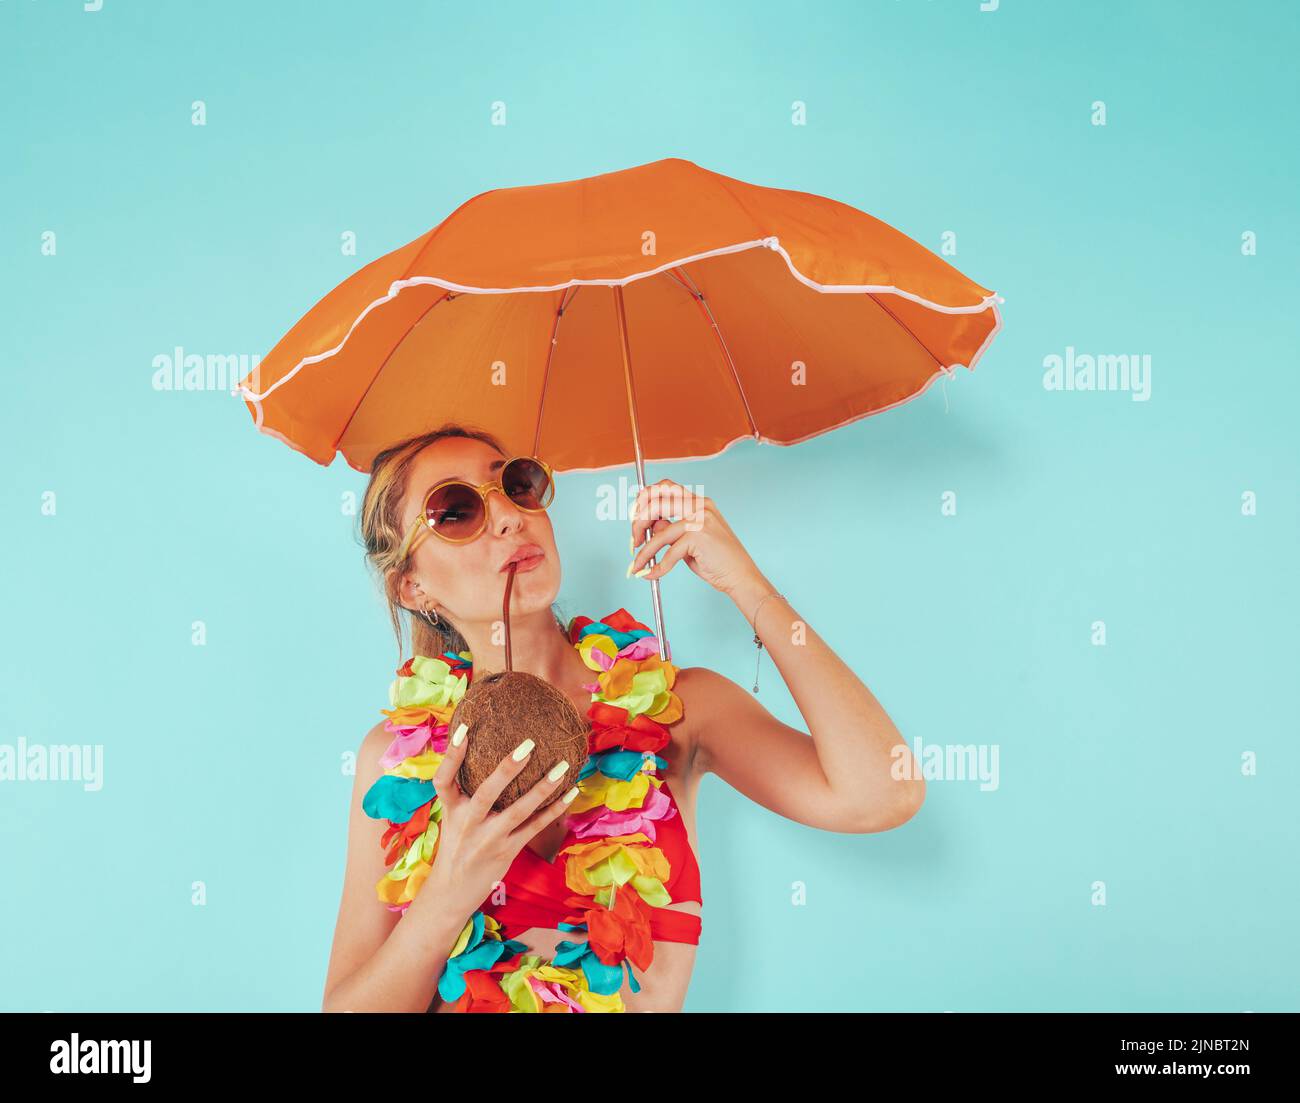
point(441, 558)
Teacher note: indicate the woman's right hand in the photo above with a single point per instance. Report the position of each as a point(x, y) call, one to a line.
point(476, 845)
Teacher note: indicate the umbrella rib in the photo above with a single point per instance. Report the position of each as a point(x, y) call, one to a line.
point(419, 253)
point(550, 354)
point(924, 347)
point(684, 281)
point(396, 345)
point(726, 187)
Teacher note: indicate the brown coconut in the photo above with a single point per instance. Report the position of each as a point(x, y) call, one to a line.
point(504, 708)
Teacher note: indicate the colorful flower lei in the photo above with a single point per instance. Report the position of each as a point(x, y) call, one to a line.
point(613, 819)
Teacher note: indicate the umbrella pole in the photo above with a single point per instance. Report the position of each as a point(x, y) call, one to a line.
point(665, 653)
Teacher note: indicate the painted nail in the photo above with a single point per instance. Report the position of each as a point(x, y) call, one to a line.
point(570, 795)
point(557, 771)
point(631, 545)
point(523, 750)
point(628, 573)
point(642, 572)
point(459, 737)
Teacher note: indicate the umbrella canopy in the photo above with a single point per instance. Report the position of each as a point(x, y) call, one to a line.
point(716, 309)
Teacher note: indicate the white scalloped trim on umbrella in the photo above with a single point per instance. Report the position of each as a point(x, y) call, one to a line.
point(773, 243)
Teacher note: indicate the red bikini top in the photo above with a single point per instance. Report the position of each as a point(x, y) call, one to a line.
point(538, 896)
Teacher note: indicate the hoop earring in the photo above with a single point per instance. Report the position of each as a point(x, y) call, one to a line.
point(435, 621)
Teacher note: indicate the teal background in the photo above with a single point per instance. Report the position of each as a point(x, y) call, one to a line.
point(1119, 764)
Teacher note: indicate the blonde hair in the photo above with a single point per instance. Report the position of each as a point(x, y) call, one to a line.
point(382, 533)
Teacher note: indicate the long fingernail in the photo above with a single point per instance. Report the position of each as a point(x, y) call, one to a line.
point(570, 795)
point(459, 737)
point(557, 771)
point(631, 545)
point(642, 572)
point(523, 750)
point(628, 573)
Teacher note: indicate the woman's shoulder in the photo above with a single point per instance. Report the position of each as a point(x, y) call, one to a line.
point(698, 688)
point(693, 679)
point(702, 683)
point(373, 745)
point(376, 739)
point(710, 701)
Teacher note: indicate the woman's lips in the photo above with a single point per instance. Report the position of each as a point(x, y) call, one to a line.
point(528, 563)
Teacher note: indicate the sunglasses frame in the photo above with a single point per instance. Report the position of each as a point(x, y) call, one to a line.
point(482, 490)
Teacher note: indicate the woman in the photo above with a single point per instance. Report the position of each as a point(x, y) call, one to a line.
point(841, 779)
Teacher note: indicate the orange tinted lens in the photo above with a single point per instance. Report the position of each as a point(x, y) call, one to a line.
point(527, 484)
point(454, 511)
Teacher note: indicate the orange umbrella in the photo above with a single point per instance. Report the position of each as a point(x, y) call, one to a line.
point(662, 312)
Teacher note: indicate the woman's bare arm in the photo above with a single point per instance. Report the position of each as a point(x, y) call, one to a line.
point(379, 963)
point(854, 773)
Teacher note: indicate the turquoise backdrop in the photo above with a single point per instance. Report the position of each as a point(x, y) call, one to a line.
point(1137, 850)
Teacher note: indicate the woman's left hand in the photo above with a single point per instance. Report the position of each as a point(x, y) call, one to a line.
point(702, 539)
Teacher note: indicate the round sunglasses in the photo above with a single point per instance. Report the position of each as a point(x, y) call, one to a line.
point(456, 510)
